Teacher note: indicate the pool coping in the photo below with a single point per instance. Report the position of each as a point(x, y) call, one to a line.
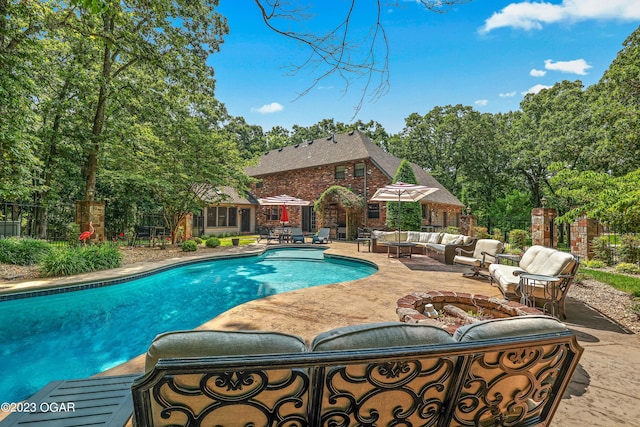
point(50, 287)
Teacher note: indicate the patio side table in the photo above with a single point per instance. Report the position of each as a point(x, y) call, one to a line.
point(544, 289)
point(365, 241)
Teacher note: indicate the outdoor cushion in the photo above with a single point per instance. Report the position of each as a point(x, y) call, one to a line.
point(467, 239)
point(448, 239)
point(413, 236)
point(220, 343)
point(508, 327)
point(435, 238)
point(376, 335)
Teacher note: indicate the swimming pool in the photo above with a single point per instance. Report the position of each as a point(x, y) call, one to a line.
point(79, 334)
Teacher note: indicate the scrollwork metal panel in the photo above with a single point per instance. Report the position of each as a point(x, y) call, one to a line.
point(395, 392)
point(260, 397)
point(506, 387)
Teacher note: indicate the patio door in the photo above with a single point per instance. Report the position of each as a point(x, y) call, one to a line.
point(245, 220)
point(308, 219)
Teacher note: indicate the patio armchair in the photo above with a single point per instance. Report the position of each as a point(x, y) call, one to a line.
point(297, 236)
point(479, 259)
point(268, 235)
point(322, 236)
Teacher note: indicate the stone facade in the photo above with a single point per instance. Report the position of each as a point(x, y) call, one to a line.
point(583, 231)
point(544, 231)
point(468, 225)
point(91, 211)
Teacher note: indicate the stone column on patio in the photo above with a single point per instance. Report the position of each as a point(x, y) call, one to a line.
point(91, 211)
point(583, 231)
point(468, 225)
point(543, 228)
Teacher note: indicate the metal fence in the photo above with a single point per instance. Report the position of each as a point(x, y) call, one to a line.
point(616, 246)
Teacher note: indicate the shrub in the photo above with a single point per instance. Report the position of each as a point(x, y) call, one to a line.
point(497, 234)
point(23, 251)
point(197, 240)
point(189, 246)
point(594, 263)
point(72, 233)
point(518, 238)
point(481, 232)
point(602, 250)
point(451, 229)
point(629, 249)
point(80, 259)
point(212, 242)
point(626, 267)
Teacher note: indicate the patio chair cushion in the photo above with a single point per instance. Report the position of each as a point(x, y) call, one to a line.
point(449, 238)
point(220, 343)
point(509, 327)
point(387, 334)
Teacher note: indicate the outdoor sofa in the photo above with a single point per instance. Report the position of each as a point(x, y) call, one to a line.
point(510, 371)
point(542, 277)
point(440, 246)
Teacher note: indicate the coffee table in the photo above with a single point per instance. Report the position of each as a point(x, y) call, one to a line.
point(399, 249)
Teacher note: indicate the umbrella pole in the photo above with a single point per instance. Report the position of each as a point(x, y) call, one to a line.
point(399, 214)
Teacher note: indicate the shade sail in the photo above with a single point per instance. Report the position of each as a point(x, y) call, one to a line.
point(283, 200)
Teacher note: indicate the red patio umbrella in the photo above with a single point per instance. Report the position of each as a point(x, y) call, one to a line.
point(284, 218)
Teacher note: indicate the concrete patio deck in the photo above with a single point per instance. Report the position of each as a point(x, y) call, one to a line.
point(605, 390)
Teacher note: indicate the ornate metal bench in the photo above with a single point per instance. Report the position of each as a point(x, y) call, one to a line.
point(508, 372)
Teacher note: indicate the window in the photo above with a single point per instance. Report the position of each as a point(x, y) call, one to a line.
point(373, 210)
point(340, 172)
point(222, 216)
point(233, 217)
point(212, 214)
point(273, 213)
point(358, 169)
point(425, 211)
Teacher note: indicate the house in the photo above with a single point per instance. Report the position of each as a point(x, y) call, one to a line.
point(350, 160)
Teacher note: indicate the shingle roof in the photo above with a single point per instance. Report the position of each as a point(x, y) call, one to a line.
point(343, 148)
point(213, 195)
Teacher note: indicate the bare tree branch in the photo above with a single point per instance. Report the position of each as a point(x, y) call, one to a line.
point(338, 51)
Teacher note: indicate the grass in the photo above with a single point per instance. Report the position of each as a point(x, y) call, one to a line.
point(244, 240)
point(628, 284)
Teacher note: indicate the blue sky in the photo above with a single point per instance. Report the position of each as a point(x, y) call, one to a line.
point(486, 54)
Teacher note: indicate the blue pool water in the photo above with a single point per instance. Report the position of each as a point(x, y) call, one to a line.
point(79, 334)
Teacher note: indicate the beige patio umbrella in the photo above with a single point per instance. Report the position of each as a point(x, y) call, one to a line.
point(402, 192)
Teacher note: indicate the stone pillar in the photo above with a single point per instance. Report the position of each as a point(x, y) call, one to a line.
point(543, 228)
point(91, 211)
point(583, 231)
point(468, 225)
point(187, 227)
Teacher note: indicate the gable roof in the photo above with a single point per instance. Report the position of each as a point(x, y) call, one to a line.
point(339, 149)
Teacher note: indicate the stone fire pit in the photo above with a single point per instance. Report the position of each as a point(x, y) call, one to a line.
point(456, 307)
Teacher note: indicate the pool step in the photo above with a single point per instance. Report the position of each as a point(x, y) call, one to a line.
point(99, 401)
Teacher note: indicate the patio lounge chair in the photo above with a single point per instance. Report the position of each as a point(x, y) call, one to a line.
point(297, 236)
point(484, 254)
point(322, 236)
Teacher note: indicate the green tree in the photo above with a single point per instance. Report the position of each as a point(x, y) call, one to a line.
point(406, 215)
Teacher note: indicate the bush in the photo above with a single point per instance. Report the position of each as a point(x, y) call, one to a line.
point(212, 242)
point(629, 250)
point(594, 263)
point(626, 267)
point(80, 259)
point(189, 246)
point(481, 233)
point(451, 229)
point(197, 240)
point(23, 251)
point(602, 250)
point(518, 238)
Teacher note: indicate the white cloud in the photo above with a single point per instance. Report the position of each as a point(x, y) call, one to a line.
point(577, 66)
point(274, 107)
point(507, 94)
point(536, 89)
point(528, 15)
point(481, 102)
point(537, 73)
